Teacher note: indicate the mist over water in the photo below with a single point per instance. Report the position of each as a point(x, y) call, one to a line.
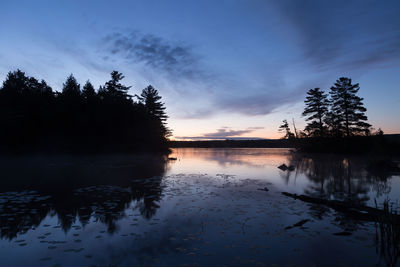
point(209, 206)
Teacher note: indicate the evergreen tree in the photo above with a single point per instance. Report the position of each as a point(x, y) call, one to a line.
point(71, 88)
point(151, 100)
point(347, 110)
point(18, 84)
point(285, 128)
point(113, 89)
point(24, 109)
point(334, 123)
point(88, 91)
point(379, 132)
point(316, 109)
point(15, 83)
point(45, 89)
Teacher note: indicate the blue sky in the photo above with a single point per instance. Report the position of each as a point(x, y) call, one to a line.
point(224, 68)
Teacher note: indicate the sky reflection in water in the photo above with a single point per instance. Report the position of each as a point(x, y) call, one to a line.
point(204, 208)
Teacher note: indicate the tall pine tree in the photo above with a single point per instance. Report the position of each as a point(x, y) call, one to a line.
point(71, 88)
point(88, 91)
point(348, 108)
point(114, 90)
point(151, 101)
point(316, 109)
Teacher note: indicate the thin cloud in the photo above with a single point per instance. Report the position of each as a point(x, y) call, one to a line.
point(224, 132)
point(173, 58)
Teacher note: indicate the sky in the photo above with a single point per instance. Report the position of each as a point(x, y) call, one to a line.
point(225, 69)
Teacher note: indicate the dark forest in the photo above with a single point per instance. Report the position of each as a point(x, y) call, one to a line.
point(35, 118)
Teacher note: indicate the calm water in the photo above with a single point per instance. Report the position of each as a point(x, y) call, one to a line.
point(203, 208)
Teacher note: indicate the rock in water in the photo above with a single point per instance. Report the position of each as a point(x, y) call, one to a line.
point(283, 167)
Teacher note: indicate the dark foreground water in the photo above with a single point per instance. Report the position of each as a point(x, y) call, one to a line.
point(205, 208)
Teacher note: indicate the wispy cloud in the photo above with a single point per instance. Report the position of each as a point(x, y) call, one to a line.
point(224, 132)
point(174, 58)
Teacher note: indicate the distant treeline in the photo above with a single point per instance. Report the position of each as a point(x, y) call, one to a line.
point(33, 117)
point(273, 143)
point(353, 144)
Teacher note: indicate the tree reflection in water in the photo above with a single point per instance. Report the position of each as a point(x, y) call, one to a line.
point(351, 179)
point(338, 177)
point(207, 191)
point(77, 189)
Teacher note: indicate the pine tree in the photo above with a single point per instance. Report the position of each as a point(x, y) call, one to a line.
point(45, 89)
point(151, 100)
point(88, 91)
point(316, 109)
point(285, 128)
point(114, 90)
point(15, 83)
point(71, 88)
point(347, 110)
point(334, 123)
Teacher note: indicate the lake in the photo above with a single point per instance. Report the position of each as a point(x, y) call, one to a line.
point(217, 207)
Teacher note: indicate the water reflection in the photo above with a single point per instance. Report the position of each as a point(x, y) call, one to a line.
point(77, 189)
point(348, 178)
point(340, 177)
point(353, 180)
point(225, 158)
point(200, 209)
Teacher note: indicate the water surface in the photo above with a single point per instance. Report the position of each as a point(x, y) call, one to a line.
point(205, 207)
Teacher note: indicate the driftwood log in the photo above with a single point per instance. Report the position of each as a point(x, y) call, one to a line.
point(354, 211)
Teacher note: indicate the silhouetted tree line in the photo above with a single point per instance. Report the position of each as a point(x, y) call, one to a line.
point(34, 117)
